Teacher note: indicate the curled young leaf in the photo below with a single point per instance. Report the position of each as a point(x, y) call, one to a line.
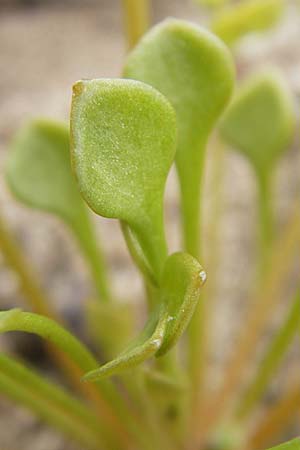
point(39, 174)
point(260, 120)
point(194, 70)
point(123, 145)
point(181, 284)
point(248, 16)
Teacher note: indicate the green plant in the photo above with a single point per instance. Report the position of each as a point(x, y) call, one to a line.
point(125, 135)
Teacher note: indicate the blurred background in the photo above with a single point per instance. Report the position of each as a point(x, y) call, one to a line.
point(45, 46)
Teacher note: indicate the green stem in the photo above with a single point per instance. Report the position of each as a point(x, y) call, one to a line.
point(147, 244)
point(16, 320)
point(266, 218)
point(191, 179)
point(50, 403)
point(136, 18)
point(271, 360)
point(88, 242)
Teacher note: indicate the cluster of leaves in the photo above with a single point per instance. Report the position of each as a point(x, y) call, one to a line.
point(125, 135)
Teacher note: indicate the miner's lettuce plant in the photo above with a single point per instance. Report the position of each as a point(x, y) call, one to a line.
point(125, 134)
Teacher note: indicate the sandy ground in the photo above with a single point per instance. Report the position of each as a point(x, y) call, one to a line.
point(43, 51)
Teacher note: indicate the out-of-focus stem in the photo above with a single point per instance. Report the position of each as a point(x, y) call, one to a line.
point(136, 18)
point(35, 296)
point(276, 419)
point(272, 358)
point(50, 403)
point(265, 302)
point(266, 220)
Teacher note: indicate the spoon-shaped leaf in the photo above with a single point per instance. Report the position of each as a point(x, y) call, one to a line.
point(260, 120)
point(39, 174)
point(247, 17)
point(194, 70)
point(123, 135)
point(181, 284)
point(260, 123)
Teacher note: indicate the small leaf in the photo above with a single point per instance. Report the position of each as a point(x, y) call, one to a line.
point(194, 70)
point(39, 171)
point(181, 284)
point(39, 174)
point(260, 120)
point(123, 135)
point(247, 17)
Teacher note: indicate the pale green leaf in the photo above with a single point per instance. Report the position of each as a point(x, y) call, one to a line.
point(194, 70)
point(260, 120)
point(123, 136)
point(39, 174)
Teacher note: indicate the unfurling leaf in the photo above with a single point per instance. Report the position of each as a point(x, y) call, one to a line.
point(123, 136)
point(39, 174)
point(194, 70)
point(181, 284)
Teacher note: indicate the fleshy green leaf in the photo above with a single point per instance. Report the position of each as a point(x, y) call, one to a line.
point(194, 70)
point(124, 135)
point(181, 284)
point(247, 17)
point(260, 120)
point(39, 174)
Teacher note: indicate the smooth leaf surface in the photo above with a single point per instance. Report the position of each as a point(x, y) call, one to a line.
point(247, 17)
point(39, 171)
point(194, 70)
point(181, 284)
point(260, 120)
point(123, 136)
point(39, 174)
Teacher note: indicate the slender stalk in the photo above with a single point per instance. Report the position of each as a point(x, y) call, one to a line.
point(191, 187)
point(265, 302)
point(273, 356)
point(136, 19)
point(266, 220)
point(213, 250)
point(50, 403)
point(276, 419)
